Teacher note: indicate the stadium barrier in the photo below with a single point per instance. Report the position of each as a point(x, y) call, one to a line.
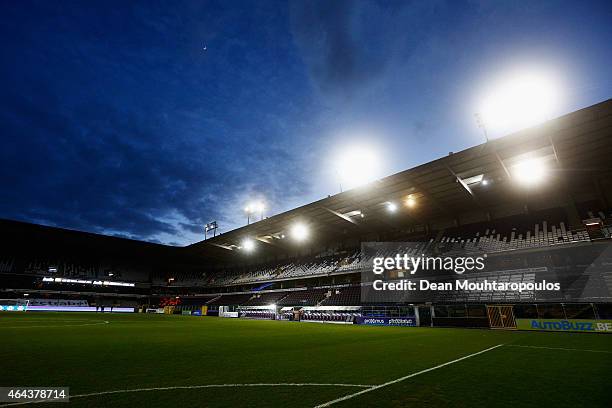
point(460, 322)
point(225, 311)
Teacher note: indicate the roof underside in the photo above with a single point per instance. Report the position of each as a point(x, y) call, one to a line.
point(577, 147)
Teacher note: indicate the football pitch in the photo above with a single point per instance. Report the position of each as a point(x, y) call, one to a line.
point(170, 360)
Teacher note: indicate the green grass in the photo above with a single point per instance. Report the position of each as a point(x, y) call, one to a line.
point(143, 351)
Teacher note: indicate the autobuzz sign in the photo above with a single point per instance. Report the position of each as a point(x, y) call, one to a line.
point(569, 325)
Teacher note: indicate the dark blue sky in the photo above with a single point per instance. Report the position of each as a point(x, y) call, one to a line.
point(114, 119)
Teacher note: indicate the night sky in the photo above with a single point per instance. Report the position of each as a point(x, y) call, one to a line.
point(148, 119)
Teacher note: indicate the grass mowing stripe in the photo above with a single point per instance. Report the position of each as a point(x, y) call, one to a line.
point(346, 397)
point(195, 387)
point(559, 348)
point(208, 350)
point(54, 325)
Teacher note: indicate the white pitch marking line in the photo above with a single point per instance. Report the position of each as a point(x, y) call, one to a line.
point(193, 387)
point(376, 387)
point(559, 348)
point(54, 325)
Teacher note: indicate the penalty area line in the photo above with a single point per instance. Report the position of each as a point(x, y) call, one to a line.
point(195, 387)
point(376, 387)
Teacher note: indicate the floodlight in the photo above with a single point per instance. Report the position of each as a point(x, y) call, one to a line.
point(410, 202)
point(254, 208)
point(484, 182)
point(356, 166)
point(519, 99)
point(391, 207)
point(529, 172)
point(248, 244)
point(299, 232)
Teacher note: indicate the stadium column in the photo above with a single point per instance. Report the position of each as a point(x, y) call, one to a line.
point(603, 200)
point(572, 213)
point(433, 314)
point(573, 216)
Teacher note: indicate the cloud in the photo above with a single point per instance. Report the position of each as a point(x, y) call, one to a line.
point(336, 57)
point(108, 171)
point(349, 45)
point(114, 169)
point(114, 120)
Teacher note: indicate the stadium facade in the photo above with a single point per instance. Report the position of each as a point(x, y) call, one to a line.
point(536, 204)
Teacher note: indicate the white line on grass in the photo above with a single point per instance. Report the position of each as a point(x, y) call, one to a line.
point(54, 325)
point(194, 387)
point(559, 348)
point(376, 387)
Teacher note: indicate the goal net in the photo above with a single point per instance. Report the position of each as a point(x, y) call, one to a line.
point(14, 305)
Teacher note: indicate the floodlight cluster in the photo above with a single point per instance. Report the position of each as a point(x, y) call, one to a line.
point(357, 165)
point(529, 172)
point(299, 232)
point(391, 207)
point(248, 245)
point(520, 98)
point(255, 207)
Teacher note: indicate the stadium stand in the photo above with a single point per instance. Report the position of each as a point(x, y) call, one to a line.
point(235, 299)
point(510, 234)
point(6, 265)
point(344, 296)
point(264, 299)
point(308, 297)
point(556, 231)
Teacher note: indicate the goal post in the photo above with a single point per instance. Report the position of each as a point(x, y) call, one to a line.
point(14, 305)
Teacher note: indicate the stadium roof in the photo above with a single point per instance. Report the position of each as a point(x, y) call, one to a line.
point(576, 147)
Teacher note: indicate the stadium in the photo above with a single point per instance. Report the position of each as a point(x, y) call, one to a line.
point(286, 311)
